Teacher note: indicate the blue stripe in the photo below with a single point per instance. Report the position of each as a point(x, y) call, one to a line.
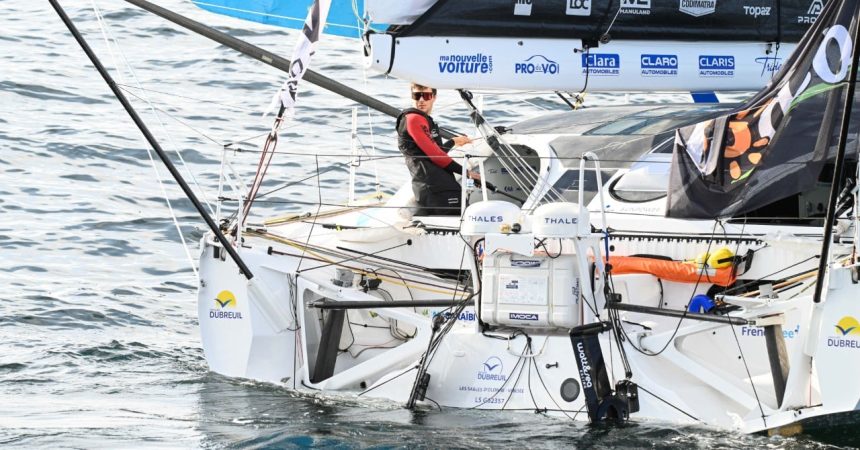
point(705, 97)
point(341, 21)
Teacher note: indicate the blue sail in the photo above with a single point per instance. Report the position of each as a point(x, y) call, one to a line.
point(343, 20)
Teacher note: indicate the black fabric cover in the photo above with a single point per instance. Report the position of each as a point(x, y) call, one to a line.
point(720, 20)
point(732, 165)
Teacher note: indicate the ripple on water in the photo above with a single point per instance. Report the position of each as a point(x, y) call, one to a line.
point(117, 351)
point(79, 318)
point(80, 177)
point(10, 242)
point(41, 92)
point(12, 367)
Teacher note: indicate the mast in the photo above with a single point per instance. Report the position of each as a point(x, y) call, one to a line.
point(838, 169)
point(151, 139)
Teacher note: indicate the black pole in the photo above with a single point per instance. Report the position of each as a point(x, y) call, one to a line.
point(382, 304)
point(739, 321)
point(273, 60)
point(838, 169)
point(151, 139)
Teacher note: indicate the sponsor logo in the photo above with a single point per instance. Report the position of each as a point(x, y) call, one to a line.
point(465, 316)
point(638, 7)
point(585, 366)
point(522, 7)
point(757, 11)
point(601, 64)
point(769, 64)
point(225, 304)
point(759, 332)
point(658, 65)
point(812, 13)
point(492, 370)
point(578, 7)
point(845, 334)
point(537, 64)
point(522, 316)
point(474, 63)
point(525, 263)
point(847, 325)
point(716, 66)
point(487, 219)
point(560, 220)
point(514, 284)
point(698, 8)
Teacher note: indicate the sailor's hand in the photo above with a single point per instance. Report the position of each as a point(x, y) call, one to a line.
point(460, 141)
point(473, 175)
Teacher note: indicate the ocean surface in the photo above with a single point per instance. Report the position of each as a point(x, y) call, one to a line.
point(98, 327)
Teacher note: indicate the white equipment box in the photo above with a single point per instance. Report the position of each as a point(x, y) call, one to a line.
point(528, 291)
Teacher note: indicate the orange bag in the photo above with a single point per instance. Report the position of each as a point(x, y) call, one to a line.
point(679, 271)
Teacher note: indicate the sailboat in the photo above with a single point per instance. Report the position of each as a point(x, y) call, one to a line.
point(638, 263)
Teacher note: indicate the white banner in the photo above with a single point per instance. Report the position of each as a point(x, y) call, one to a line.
point(301, 59)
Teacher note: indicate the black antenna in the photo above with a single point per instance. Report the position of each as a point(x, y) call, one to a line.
point(151, 139)
point(838, 168)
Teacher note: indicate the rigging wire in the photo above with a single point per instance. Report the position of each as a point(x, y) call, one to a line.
point(645, 352)
point(106, 31)
point(747, 369)
point(108, 37)
point(524, 175)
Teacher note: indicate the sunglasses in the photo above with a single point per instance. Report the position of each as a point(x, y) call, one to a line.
point(427, 96)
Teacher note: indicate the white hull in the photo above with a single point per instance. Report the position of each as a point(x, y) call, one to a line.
point(700, 377)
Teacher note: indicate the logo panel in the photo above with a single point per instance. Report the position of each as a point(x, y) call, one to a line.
point(757, 11)
point(716, 66)
point(466, 63)
point(769, 64)
point(522, 316)
point(658, 65)
point(846, 334)
point(537, 64)
point(578, 7)
point(812, 13)
point(523, 7)
point(224, 305)
point(698, 8)
point(601, 64)
point(637, 7)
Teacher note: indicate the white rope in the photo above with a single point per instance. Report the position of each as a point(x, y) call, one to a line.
point(109, 37)
point(362, 25)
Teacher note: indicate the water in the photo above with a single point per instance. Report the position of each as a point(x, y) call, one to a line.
point(98, 316)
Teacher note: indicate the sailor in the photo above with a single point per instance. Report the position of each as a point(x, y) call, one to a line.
point(436, 190)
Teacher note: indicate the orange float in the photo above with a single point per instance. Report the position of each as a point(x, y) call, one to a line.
point(678, 271)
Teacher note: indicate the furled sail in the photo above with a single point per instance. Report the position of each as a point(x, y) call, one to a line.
point(776, 144)
point(572, 45)
point(285, 98)
point(344, 19)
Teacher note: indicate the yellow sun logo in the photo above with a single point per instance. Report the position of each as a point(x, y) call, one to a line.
point(226, 299)
point(848, 325)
